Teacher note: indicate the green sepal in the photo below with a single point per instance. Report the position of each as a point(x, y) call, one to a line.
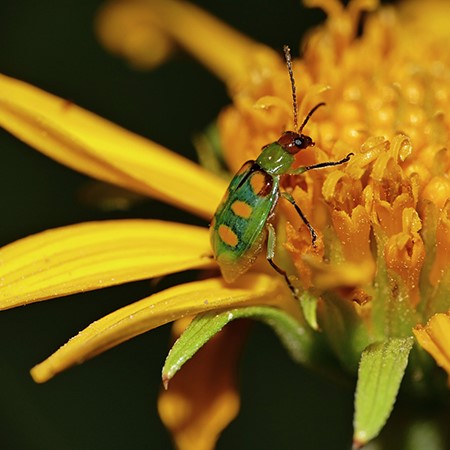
point(308, 302)
point(380, 373)
point(297, 340)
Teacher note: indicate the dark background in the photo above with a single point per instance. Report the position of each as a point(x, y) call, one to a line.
point(110, 402)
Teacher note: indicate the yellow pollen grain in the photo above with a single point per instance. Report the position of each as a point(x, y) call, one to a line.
point(258, 182)
point(241, 209)
point(228, 235)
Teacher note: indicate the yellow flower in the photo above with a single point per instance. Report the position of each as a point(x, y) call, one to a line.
point(380, 269)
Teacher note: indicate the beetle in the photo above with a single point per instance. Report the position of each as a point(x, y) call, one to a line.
point(242, 222)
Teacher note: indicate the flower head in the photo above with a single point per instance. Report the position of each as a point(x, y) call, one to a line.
point(379, 269)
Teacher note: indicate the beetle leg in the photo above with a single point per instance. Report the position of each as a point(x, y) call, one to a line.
point(291, 200)
point(321, 165)
point(271, 242)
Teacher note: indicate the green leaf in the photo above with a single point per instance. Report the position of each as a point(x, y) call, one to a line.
point(380, 373)
point(295, 338)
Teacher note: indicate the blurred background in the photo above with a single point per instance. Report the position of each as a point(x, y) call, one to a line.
point(110, 402)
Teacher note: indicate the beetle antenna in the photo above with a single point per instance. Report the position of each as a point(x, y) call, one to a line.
point(287, 56)
point(309, 115)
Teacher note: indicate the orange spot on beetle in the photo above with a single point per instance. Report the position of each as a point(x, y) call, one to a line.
point(228, 235)
point(261, 184)
point(241, 209)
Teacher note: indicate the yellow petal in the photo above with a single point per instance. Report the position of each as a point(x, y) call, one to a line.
point(92, 145)
point(346, 274)
point(222, 49)
point(131, 30)
point(151, 312)
point(434, 337)
point(203, 399)
point(94, 255)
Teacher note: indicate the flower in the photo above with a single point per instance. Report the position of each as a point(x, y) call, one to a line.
point(380, 268)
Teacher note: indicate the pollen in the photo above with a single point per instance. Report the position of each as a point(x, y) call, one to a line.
point(241, 209)
point(228, 236)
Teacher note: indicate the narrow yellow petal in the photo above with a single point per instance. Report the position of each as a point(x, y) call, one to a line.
point(94, 255)
point(92, 145)
point(434, 337)
point(203, 398)
point(166, 306)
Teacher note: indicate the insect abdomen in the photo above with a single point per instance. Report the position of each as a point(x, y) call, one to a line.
point(238, 228)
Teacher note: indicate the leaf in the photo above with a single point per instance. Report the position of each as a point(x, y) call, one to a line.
point(380, 373)
point(295, 338)
point(204, 398)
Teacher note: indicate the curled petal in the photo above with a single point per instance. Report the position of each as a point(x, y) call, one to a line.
point(369, 153)
point(389, 213)
point(405, 254)
point(434, 337)
point(341, 192)
point(178, 19)
point(353, 232)
point(94, 146)
point(131, 30)
point(203, 398)
point(151, 312)
point(95, 255)
point(401, 147)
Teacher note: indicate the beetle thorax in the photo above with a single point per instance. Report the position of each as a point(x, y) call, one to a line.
point(275, 160)
point(278, 157)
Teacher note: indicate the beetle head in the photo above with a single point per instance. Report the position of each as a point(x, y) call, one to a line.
point(293, 142)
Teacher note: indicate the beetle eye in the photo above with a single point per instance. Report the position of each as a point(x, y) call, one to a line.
point(298, 142)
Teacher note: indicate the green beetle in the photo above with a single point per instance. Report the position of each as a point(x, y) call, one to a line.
point(241, 225)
